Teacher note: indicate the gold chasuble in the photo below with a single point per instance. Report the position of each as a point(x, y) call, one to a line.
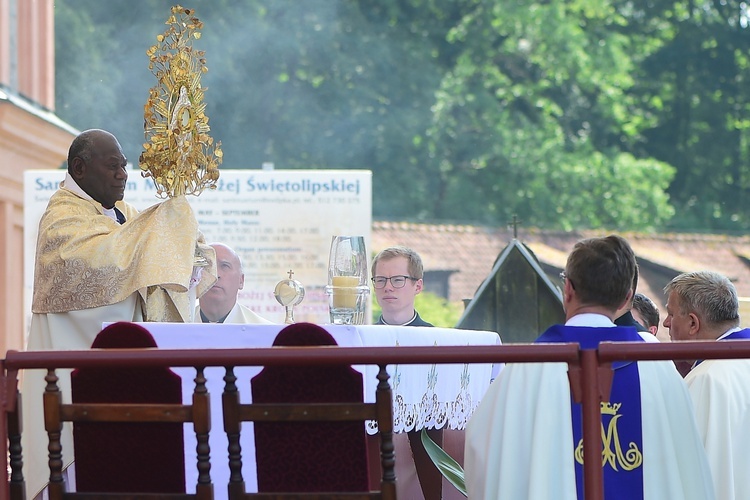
point(90, 270)
point(85, 259)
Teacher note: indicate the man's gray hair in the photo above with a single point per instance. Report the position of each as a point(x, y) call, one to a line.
point(711, 295)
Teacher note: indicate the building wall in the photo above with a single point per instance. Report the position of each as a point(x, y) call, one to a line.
point(5, 42)
point(27, 142)
point(28, 27)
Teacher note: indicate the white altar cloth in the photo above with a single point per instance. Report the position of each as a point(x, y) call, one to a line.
point(432, 396)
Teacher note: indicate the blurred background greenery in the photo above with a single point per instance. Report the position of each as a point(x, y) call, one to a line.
point(616, 114)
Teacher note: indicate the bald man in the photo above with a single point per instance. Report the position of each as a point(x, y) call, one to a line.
point(219, 304)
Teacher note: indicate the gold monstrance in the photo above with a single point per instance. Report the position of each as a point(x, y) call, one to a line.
point(178, 153)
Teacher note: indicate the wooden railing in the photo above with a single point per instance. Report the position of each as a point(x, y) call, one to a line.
point(589, 371)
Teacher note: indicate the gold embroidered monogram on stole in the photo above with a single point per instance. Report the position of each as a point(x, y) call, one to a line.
point(612, 452)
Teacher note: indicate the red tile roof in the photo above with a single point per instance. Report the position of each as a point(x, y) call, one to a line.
point(472, 250)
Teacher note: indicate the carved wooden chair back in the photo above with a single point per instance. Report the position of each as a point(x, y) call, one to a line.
point(127, 427)
point(309, 424)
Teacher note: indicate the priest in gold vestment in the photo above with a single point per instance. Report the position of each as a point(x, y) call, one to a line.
point(99, 260)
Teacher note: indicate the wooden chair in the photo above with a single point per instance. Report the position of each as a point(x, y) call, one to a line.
point(16, 483)
point(127, 427)
point(309, 422)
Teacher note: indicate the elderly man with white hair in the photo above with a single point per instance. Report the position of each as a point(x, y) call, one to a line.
point(703, 305)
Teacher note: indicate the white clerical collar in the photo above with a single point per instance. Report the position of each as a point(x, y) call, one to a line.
point(729, 332)
point(399, 324)
point(71, 185)
point(590, 319)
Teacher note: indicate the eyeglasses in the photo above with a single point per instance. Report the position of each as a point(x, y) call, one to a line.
point(396, 281)
point(564, 278)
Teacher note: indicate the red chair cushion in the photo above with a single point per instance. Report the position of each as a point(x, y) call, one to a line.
point(309, 456)
point(128, 457)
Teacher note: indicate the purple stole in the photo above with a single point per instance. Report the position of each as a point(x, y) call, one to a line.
point(738, 335)
point(622, 431)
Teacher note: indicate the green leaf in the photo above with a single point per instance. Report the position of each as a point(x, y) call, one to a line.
point(448, 467)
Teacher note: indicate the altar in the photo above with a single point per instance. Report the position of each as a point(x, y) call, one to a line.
point(442, 396)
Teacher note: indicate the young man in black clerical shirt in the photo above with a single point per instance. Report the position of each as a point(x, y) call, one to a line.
point(397, 278)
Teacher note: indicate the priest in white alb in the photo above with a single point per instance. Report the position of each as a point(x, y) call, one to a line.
point(524, 441)
point(99, 260)
point(219, 304)
point(703, 305)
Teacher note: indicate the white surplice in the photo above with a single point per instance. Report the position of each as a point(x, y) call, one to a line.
point(239, 315)
point(74, 330)
point(89, 269)
point(721, 394)
point(519, 442)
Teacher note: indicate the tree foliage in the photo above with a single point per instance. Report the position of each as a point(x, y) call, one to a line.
point(432, 308)
point(570, 113)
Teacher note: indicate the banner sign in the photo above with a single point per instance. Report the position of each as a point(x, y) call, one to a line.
point(276, 220)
